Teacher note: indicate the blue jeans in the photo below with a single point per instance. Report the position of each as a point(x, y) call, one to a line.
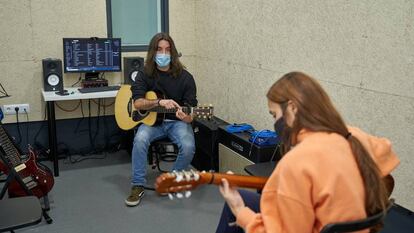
point(251, 200)
point(179, 132)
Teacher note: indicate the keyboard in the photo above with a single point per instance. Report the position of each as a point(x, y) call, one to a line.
point(98, 89)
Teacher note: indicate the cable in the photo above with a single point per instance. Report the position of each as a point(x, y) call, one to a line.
point(104, 106)
point(274, 152)
point(68, 110)
point(18, 126)
point(27, 126)
point(80, 78)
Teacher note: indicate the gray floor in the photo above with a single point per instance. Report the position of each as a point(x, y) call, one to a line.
point(89, 197)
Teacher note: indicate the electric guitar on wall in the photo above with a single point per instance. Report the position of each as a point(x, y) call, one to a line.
point(35, 176)
point(127, 117)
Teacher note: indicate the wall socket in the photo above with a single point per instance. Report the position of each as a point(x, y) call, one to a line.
point(9, 109)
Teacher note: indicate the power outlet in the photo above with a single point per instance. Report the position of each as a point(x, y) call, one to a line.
point(10, 109)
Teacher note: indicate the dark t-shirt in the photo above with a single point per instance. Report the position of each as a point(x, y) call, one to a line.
point(181, 89)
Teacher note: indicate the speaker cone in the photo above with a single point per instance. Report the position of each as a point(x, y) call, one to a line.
point(53, 80)
point(133, 75)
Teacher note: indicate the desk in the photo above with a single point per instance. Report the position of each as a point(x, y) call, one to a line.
point(50, 97)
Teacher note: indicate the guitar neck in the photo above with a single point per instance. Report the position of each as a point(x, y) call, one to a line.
point(9, 149)
point(160, 109)
point(253, 182)
point(186, 180)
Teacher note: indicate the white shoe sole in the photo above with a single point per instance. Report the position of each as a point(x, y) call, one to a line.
point(134, 203)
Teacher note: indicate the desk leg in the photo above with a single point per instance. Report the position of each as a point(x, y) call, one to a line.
point(51, 123)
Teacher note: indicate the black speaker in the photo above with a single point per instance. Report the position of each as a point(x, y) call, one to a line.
point(132, 65)
point(52, 74)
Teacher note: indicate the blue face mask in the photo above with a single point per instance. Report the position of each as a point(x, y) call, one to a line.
point(162, 60)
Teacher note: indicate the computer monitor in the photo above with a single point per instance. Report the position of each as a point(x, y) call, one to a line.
point(91, 55)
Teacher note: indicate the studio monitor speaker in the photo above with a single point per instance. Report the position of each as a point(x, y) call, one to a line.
point(52, 74)
point(132, 65)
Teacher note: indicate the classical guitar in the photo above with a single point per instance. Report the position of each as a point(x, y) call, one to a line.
point(127, 117)
point(36, 177)
point(176, 182)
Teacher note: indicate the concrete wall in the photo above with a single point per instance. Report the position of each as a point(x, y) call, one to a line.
point(33, 30)
point(362, 52)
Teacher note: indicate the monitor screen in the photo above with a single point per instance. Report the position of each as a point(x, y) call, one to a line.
point(92, 54)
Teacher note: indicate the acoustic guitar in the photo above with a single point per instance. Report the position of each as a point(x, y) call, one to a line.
point(37, 177)
point(127, 117)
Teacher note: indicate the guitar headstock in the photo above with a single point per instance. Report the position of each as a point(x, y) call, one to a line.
point(203, 112)
point(177, 182)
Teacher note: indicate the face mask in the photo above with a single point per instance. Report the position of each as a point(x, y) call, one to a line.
point(279, 126)
point(162, 60)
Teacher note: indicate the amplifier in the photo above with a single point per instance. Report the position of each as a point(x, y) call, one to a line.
point(94, 83)
point(230, 160)
point(206, 140)
point(239, 142)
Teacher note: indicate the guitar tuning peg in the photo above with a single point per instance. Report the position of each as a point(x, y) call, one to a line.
point(179, 177)
point(187, 176)
point(170, 196)
point(196, 176)
point(187, 194)
point(179, 195)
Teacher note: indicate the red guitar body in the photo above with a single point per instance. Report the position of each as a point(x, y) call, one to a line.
point(37, 178)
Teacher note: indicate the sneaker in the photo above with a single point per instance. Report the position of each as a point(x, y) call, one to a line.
point(137, 192)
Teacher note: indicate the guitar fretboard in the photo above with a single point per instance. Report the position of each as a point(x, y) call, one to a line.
point(160, 109)
point(11, 152)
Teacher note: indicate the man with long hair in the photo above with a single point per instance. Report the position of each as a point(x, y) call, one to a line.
point(164, 74)
point(329, 172)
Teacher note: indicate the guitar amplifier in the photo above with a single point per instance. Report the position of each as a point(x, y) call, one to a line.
point(206, 140)
point(243, 152)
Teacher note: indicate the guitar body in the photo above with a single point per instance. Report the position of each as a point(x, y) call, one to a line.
point(127, 117)
point(39, 180)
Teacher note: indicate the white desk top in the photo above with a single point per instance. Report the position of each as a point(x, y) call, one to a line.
point(74, 94)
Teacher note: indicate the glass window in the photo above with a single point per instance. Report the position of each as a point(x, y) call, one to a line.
point(136, 21)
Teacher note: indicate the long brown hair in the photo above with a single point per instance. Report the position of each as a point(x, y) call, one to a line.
point(316, 112)
point(150, 68)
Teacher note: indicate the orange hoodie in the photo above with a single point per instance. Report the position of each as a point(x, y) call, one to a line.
point(316, 183)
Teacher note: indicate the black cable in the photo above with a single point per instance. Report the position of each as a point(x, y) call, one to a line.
point(42, 148)
point(80, 78)
point(27, 126)
point(40, 128)
point(18, 127)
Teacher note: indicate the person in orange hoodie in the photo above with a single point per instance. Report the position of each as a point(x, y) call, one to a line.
point(329, 172)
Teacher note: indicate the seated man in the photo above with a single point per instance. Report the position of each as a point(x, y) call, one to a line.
point(164, 74)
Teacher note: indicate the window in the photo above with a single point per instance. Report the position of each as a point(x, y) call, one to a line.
point(136, 21)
